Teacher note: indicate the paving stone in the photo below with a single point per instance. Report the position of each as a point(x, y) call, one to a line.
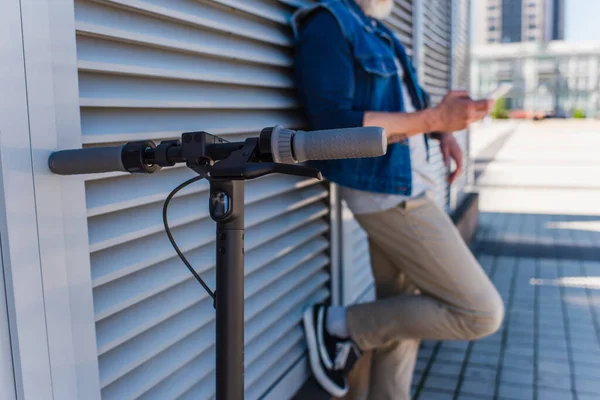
point(551, 329)
point(521, 314)
point(586, 358)
point(480, 373)
point(484, 359)
point(514, 329)
point(587, 385)
point(581, 328)
point(416, 378)
point(519, 351)
point(495, 339)
point(455, 344)
point(450, 355)
point(553, 354)
point(554, 381)
point(425, 353)
point(521, 341)
point(552, 343)
point(426, 344)
point(490, 348)
point(552, 335)
point(515, 392)
point(441, 383)
point(520, 330)
point(553, 310)
point(515, 362)
point(428, 394)
point(584, 396)
point(442, 368)
point(420, 366)
point(553, 394)
point(553, 367)
point(584, 345)
point(519, 377)
point(477, 387)
point(586, 371)
point(583, 335)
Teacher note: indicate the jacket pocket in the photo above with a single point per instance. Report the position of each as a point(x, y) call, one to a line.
point(382, 65)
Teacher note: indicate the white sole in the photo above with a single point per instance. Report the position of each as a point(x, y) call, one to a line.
point(313, 356)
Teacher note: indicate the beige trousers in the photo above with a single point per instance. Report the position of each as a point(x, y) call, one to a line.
point(429, 286)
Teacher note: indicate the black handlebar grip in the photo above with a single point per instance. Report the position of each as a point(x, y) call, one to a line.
point(87, 161)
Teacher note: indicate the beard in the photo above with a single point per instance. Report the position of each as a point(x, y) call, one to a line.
point(379, 9)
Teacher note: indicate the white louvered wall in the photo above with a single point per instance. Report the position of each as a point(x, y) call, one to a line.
point(436, 76)
point(363, 288)
point(357, 278)
point(151, 69)
point(401, 22)
point(460, 80)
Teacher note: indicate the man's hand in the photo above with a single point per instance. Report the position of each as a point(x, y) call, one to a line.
point(457, 111)
point(451, 151)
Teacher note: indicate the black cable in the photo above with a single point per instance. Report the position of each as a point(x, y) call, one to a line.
point(168, 230)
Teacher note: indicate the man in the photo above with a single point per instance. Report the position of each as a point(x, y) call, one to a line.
point(352, 71)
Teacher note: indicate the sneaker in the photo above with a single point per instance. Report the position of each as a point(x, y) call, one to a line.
point(331, 357)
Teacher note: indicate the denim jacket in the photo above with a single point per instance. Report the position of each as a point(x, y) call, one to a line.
point(346, 64)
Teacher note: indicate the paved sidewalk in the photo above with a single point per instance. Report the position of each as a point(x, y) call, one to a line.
point(539, 240)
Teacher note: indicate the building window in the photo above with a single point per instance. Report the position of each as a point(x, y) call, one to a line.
point(532, 26)
point(531, 17)
point(492, 28)
point(531, 5)
point(531, 38)
point(491, 40)
point(512, 17)
point(492, 7)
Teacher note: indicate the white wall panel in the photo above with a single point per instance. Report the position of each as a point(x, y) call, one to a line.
point(152, 69)
point(357, 278)
point(461, 80)
point(435, 75)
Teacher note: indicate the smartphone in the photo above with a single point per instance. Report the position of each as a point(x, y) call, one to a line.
point(501, 91)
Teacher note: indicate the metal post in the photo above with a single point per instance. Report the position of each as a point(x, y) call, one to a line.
point(451, 191)
point(336, 239)
point(227, 209)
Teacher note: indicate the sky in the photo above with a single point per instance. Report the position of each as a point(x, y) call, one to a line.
point(582, 20)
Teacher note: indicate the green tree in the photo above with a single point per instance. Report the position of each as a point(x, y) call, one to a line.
point(499, 111)
point(578, 113)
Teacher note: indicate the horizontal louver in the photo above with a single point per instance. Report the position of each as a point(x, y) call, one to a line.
point(402, 24)
point(361, 265)
point(356, 272)
point(152, 69)
point(436, 77)
point(461, 73)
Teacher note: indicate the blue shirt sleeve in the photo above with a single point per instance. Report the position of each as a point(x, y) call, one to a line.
point(325, 74)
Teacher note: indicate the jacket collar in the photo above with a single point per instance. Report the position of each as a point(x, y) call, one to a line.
point(358, 13)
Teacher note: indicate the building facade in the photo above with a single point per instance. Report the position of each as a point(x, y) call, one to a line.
point(510, 21)
point(94, 303)
point(558, 76)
